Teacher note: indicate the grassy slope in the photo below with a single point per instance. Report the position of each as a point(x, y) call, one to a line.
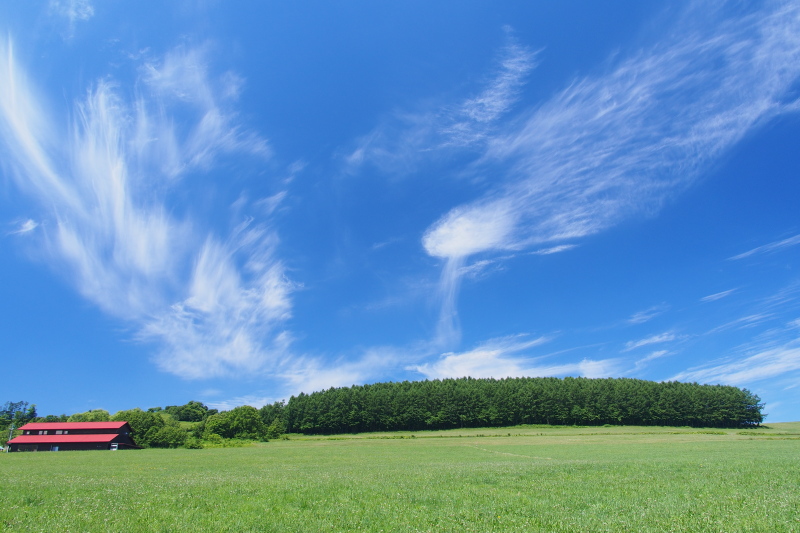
point(548, 479)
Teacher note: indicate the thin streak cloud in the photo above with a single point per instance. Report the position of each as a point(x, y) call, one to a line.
point(763, 365)
point(647, 315)
point(717, 296)
point(554, 249)
point(642, 363)
point(655, 339)
point(771, 247)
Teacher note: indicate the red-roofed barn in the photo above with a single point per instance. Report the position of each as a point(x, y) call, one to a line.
point(63, 436)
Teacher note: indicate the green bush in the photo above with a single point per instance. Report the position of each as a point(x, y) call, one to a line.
point(193, 443)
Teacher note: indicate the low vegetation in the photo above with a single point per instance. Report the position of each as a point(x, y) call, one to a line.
point(525, 478)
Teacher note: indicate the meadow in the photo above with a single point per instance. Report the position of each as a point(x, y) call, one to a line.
point(526, 478)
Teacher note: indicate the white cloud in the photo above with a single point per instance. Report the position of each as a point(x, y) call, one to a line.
point(772, 354)
point(226, 324)
point(655, 339)
point(717, 296)
point(641, 363)
point(500, 358)
point(771, 247)
point(105, 184)
point(648, 314)
point(464, 232)
point(308, 374)
point(398, 145)
point(471, 123)
point(24, 227)
point(269, 204)
point(448, 329)
point(611, 146)
point(181, 77)
point(748, 321)
point(73, 11)
point(554, 249)
point(620, 144)
point(766, 364)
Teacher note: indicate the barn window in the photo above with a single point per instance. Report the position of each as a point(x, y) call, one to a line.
point(59, 432)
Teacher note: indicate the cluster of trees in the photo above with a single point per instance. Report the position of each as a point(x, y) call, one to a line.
point(191, 425)
point(468, 402)
point(191, 412)
point(14, 414)
point(162, 427)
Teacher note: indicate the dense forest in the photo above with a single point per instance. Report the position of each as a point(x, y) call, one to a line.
point(420, 405)
point(468, 402)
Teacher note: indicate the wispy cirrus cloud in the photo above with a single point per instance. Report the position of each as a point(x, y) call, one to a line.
point(654, 339)
point(647, 315)
point(612, 146)
point(764, 364)
point(554, 249)
point(748, 321)
point(717, 296)
point(398, 145)
point(472, 121)
point(505, 357)
point(73, 11)
point(306, 373)
point(214, 305)
point(767, 248)
point(772, 353)
point(26, 226)
point(642, 363)
point(180, 80)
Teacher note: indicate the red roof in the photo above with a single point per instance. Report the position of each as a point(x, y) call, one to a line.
point(55, 439)
point(36, 426)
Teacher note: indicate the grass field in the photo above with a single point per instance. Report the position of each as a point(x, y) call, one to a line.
point(511, 479)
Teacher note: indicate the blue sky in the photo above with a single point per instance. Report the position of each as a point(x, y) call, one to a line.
point(234, 204)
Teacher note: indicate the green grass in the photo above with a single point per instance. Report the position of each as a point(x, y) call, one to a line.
point(536, 479)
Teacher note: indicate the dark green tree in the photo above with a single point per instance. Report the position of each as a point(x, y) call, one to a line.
point(144, 425)
point(168, 437)
point(241, 422)
point(190, 412)
point(18, 413)
point(94, 415)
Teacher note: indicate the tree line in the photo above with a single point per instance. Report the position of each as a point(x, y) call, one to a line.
point(421, 405)
point(469, 402)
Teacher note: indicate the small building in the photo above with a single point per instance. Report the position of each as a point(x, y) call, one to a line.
point(64, 436)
